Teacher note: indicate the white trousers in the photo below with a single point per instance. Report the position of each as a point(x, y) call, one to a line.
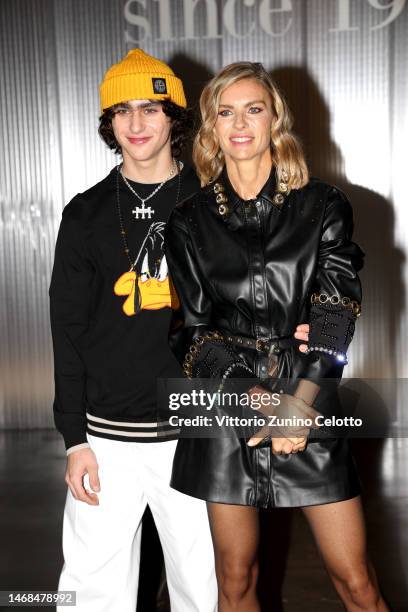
point(101, 544)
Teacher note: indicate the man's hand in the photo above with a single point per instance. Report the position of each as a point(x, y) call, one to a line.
point(302, 333)
point(79, 463)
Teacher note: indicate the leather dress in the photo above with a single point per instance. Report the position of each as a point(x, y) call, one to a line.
point(250, 272)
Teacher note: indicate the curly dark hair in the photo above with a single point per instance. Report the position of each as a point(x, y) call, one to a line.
point(181, 127)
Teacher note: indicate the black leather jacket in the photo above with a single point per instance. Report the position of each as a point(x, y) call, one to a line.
point(252, 271)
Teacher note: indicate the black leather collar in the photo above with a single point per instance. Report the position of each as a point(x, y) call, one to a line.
point(233, 201)
point(267, 192)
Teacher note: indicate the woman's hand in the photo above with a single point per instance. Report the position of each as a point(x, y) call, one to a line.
point(280, 446)
point(292, 435)
point(302, 333)
point(287, 446)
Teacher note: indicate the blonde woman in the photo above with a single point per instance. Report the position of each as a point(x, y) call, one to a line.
point(261, 248)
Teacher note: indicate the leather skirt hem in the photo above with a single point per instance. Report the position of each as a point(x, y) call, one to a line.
point(229, 472)
point(318, 501)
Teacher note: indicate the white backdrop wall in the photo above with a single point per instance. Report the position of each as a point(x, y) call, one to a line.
point(343, 66)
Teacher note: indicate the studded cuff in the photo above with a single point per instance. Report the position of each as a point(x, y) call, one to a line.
point(211, 357)
point(332, 323)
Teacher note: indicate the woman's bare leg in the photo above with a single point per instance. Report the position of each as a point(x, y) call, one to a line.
point(235, 533)
point(340, 535)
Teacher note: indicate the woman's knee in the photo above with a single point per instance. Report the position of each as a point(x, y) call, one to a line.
point(237, 578)
point(359, 588)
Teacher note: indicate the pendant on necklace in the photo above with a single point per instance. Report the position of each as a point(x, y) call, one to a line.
point(142, 210)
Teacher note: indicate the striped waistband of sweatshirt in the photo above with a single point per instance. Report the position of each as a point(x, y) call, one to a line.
point(138, 431)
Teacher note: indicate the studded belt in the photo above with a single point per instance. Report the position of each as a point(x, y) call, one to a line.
point(262, 345)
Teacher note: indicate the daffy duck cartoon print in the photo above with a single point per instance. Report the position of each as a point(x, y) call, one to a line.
point(147, 285)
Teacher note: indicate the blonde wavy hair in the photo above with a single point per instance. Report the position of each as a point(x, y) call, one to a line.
point(286, 149)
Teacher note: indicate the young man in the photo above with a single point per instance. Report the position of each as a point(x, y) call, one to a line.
point(110, 310)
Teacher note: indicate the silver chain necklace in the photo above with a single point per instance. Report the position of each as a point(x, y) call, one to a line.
point(179, 167)
point(142, 210)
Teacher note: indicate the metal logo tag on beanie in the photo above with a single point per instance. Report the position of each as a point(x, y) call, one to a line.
point(159, 86)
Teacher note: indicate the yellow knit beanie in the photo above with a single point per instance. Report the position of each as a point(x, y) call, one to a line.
point(140, 76)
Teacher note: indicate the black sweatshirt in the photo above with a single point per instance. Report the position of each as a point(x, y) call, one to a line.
point(109, 332)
